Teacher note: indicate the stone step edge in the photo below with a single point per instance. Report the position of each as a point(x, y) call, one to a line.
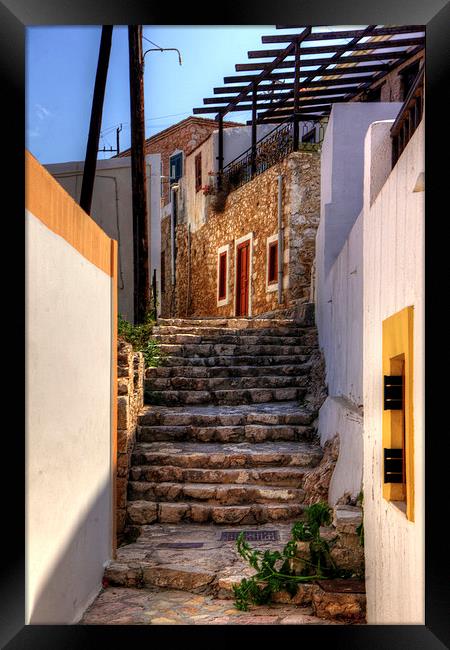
point(142, 512)
point(325, 605)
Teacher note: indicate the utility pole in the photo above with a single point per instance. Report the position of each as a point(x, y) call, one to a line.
point(90, 163)
point(138, 176)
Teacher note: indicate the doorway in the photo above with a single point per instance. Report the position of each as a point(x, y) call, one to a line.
point(242, 278)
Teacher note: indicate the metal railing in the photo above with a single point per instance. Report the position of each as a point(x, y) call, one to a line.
point(271, 149)
point(409, 117)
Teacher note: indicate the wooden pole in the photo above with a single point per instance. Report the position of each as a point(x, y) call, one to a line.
point(90, 163)
point(254, 127)
point(296, 91)
point(138, 176)
point(220, 152)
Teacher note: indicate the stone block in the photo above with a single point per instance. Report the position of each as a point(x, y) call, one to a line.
point(123, 412)
point(142, 512)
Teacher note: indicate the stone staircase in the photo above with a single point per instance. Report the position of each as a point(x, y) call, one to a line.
point(226, 436)
point(226, 443)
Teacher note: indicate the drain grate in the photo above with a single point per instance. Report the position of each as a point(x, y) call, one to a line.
point(180, 545)
point(251, 535)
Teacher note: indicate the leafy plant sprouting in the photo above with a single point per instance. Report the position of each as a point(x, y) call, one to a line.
point(140, 338)
point(275, 570)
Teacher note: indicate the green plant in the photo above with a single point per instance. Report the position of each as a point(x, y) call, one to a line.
point(140, 338)
point(275, 570)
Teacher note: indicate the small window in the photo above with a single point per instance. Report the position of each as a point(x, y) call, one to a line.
point(222, 276)
point(176, 167)
point(272, 262)
point(198, 172)
point(163, 271)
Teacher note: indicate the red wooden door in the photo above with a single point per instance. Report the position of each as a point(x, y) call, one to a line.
point(243, 269)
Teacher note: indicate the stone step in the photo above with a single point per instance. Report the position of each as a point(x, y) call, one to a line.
point(149, 512)
point(228, 331)
point(230, 494)
point(225, 434)
point(190, 350)
point(242, 457)
point(307, 339)
point(232, 396)
point(234, 323)
point(206, 372)
point(172, 360)
point(291, 477)
point(290, 413)
point(214, 383)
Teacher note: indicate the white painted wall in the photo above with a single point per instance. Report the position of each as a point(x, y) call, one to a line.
point(393, 279)
point(115, 215)
point(339, 313)
point(68, 427)
point(342, 165)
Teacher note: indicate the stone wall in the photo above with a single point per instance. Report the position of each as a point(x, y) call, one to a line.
point(130, 380)
point(253, 209)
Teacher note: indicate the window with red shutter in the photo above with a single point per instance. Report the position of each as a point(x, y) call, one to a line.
point(198, 172)
point(273, 262)
point(223, 275)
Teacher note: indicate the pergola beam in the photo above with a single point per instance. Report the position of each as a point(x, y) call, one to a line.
point(369, 45)
point(334, 72)
point(347, 82)
point(263, 97)
point(357, 58)
point(279, 58)
point(347, 33)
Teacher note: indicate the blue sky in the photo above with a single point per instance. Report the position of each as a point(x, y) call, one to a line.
point(61, 64)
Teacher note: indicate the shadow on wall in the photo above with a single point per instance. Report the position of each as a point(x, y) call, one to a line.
point(76, 577)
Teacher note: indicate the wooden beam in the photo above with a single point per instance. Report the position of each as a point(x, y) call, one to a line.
point(357, 58)
point(337, 71)
point(336, 56)
point(347, 33)
point(347, 83)
point(369, 45)
point(204, 110)
point(344, 90)
point(282, 55)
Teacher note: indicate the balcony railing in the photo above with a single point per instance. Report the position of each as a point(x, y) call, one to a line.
point(271, 149)
point(409, 117)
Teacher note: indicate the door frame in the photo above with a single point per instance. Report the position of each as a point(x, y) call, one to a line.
point(248, 237)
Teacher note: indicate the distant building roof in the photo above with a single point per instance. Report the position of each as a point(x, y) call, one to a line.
point(192, 119)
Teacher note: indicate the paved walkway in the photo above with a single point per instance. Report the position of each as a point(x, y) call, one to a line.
point(127, 606)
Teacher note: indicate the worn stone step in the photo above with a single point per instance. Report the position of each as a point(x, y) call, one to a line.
point(172, 360)
point(190, 350)
point(225, 434)
point(290, 413)
point(234, 323)
point(307, 338)
point(212, 456)
point(291, 477)
point(232, 396)
point(148, 512)
point(212, 493)
point(205, 372)
point(286, 331)
point(226, 383)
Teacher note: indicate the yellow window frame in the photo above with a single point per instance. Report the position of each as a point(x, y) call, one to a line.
point(397, 359)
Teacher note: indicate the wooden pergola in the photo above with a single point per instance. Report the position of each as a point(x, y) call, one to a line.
point(310, 73)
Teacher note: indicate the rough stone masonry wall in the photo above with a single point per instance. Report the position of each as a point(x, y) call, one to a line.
point(254, 208)
point(167, 296)
point(130, 388)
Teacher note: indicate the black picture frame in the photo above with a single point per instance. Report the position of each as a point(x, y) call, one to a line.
point(15, 16)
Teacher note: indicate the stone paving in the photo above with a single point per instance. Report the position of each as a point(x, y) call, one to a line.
point(131, 606)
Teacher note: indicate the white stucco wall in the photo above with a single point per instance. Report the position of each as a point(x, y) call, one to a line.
point(342, 170)
point(115, 217)
point(340, 315)
point(393, 279)
point(68, 427)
